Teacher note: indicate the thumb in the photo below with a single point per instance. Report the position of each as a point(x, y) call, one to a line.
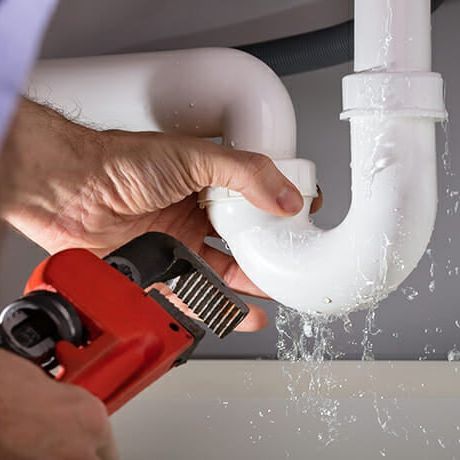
point(252, 174)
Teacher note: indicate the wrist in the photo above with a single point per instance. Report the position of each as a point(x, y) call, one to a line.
point(41, 164)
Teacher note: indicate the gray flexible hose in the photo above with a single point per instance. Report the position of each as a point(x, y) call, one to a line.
point(309, 51)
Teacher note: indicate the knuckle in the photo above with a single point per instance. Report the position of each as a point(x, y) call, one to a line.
point(255, 168)
point(258, 164)
point(201, 166)
point(189, 164)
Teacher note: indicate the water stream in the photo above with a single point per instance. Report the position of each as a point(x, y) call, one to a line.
point(310, 339)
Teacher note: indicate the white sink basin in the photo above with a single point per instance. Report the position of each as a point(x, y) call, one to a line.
point(221, 410)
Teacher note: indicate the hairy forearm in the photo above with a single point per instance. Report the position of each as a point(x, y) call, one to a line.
point(41, 163)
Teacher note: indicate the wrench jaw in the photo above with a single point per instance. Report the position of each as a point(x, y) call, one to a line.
point(220, 311)
point(156, 257)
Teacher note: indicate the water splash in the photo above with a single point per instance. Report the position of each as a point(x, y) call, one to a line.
point(307, 338)
point(432, 282)
point(380, 159)
point(304, 337)
point(370, 330)
point(454, 354)
point(409, 292)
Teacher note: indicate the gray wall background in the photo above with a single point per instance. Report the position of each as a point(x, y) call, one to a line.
point(407, 326)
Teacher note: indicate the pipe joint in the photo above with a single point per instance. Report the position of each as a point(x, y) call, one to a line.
point(396, 94)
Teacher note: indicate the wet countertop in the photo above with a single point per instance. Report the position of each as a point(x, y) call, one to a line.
point(278, 410)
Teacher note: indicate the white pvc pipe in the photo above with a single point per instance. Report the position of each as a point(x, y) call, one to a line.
point(376, 247)
point(394, 194)
point(226, 93)
point(394, 199)
point(393, 35)
point(208, 92)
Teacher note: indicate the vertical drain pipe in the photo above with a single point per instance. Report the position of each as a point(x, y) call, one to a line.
point(392, 102)
point(392, 35)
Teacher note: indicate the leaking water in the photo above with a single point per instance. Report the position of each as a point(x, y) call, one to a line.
point(310, 338)
point(454, 354)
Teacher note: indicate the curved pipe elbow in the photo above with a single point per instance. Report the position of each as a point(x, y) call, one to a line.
point(226, 93)
point(392, 213)
point(376, 247)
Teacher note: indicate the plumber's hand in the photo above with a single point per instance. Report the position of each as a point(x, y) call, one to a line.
point(43, 419)
point(64, 186)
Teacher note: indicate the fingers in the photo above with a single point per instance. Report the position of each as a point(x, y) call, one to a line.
point(256, 320)
point(252, 174)
point(168, 168)
point(231, 273)
point(317, 202)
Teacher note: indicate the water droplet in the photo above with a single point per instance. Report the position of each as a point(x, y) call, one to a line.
point(395, 335)
point(432, 286)
point(383, 453)
point(232, 144)
point(347, 325)
point(191, 105)
point(410, 293)
point(327, 300)
point(457, 323)
point(308, 329)
point(454, 354)
point(368, 355)
point(438, 330)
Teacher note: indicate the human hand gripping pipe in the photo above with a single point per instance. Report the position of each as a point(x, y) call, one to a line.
point(392, 102)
